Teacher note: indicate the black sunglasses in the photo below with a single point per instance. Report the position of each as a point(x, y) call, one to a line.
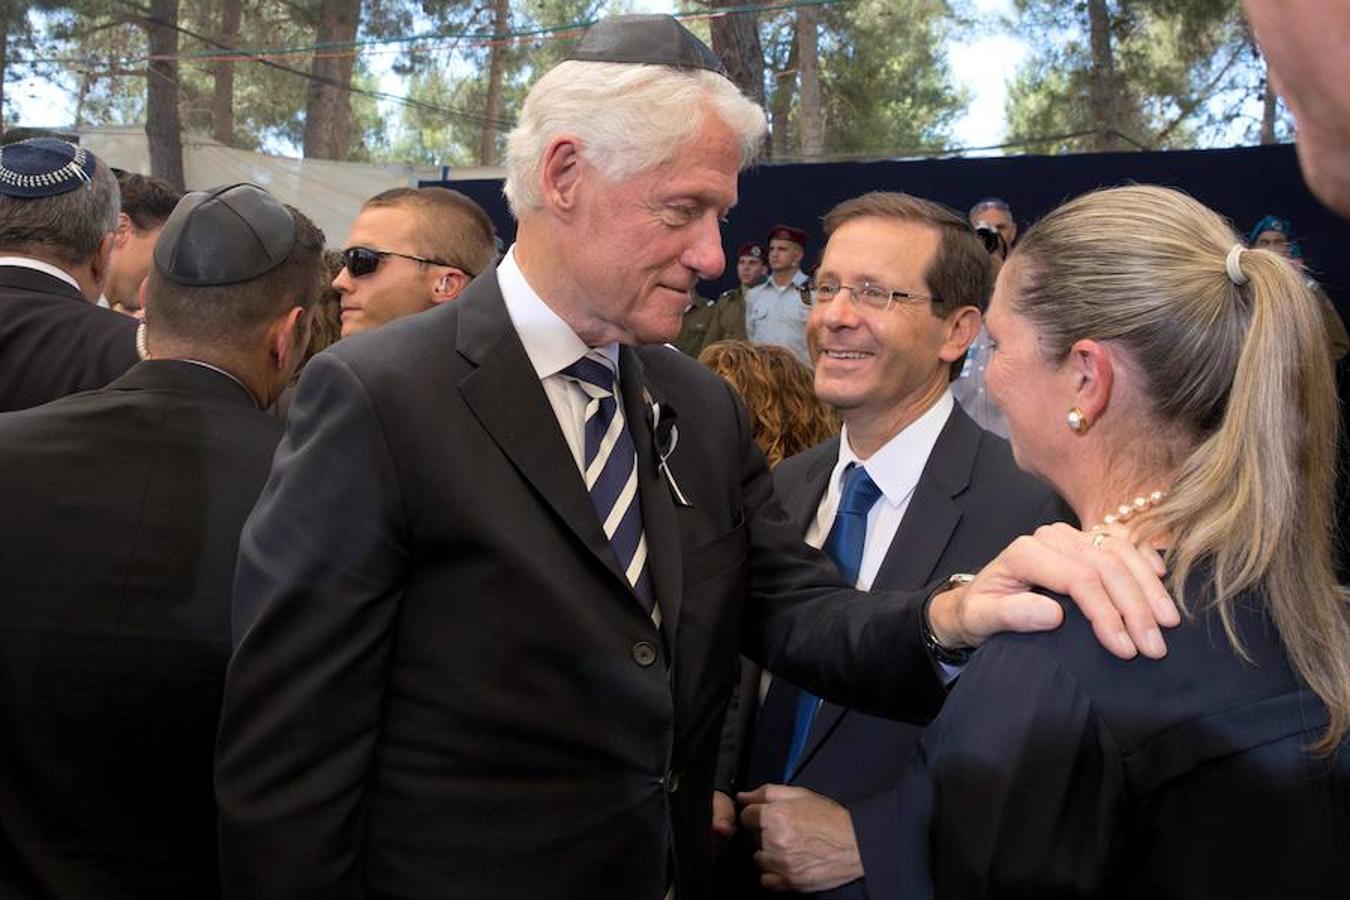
point(361, 261)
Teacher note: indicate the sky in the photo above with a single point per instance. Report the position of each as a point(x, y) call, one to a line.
point(984, 65)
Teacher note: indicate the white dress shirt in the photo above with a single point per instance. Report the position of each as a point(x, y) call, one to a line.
point(895, 468)
point(552, 346)
point(27, 262)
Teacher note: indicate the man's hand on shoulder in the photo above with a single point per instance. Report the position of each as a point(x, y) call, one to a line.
point(806, 840)
point(1115, 582)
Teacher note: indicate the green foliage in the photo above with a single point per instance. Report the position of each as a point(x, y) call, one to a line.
point(1183, 72)
point(884, 76)
point(454, 79)
point(885, 83)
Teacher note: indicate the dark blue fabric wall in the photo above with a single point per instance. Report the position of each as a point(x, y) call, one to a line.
point(1244, 184)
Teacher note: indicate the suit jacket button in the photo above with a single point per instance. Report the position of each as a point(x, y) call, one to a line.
point(644, 653)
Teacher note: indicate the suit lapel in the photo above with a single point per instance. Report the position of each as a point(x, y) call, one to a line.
point(508, 400)
point(664, 559)
point(803, 502)
point(933, 514)
point(802, 505)
point(919, 542)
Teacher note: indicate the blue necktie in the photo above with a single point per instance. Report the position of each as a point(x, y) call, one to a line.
point(610, 471)
point(845, 546)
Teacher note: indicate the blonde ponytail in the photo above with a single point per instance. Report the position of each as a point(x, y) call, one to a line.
point(1237, 364)
point(1257, 497)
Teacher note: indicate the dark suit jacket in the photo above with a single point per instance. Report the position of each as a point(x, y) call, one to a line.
point(1057, 770)
point(444, 685)
point(123, 508)
point(53, 342)
point(970, 502)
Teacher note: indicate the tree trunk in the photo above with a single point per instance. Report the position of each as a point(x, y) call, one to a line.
point(784, 84)
point(1268, 108)
point(4, 66)
point(222, 104)
point(735, 38)
point(328, 110)
point(811, 117)
point(163, 128)
point(501, 24)
point(1102, 79)
point(82, 94)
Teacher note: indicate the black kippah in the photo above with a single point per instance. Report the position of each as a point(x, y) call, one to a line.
point(43, 167)
point(224, 236)
point(648, 40)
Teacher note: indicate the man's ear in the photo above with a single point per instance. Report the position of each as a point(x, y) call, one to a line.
point(449, 286)
point(286, 338)
point(962, 326)
point(124, 227)
point(560, 174)
point(140, 296)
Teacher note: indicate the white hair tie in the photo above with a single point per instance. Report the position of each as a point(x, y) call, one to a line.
point(1234, 265)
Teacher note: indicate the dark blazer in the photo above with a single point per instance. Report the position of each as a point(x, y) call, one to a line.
point(1057, 770)
point(444, 685)
point(123, 508)
point(970, 502)
point(53, 342)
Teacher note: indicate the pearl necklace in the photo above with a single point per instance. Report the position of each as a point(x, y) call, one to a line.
point(1124, 513)
point(1127, 511)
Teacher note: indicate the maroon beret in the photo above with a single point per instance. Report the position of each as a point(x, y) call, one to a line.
point(788, 233)
point(753, 248)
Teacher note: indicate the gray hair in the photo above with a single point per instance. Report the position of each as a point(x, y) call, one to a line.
point(69, 226)
point(628, 119)
point(991, 203)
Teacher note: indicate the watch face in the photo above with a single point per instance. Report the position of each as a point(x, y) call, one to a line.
point(944, 655)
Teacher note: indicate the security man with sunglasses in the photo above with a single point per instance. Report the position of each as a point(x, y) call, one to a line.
point(409, 250)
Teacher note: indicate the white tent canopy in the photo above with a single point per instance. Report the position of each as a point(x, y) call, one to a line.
point(330, 193)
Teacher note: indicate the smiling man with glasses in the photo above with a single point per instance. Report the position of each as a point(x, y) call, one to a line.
point(410, 249)
point(894, 305)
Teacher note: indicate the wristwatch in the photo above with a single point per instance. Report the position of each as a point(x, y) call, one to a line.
point(947, 656)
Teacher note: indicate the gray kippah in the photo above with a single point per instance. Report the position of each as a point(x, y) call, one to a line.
point(648, 40)
point(224, 236)
point(43, 167)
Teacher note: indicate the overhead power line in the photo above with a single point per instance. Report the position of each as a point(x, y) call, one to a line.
point(330, 49)
point(499, 124)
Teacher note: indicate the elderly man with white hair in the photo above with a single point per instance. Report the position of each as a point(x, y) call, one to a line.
point(488, 608)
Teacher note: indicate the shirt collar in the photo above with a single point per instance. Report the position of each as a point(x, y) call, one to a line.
point(550, 343)
point(798, 279)
point(899, 463)
point(229, 375)
point(27, 262)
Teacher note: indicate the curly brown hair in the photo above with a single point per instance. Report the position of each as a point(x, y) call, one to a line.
point(326, 325)
point(779, 392)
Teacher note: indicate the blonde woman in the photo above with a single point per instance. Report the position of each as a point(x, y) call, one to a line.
point(1175, 388)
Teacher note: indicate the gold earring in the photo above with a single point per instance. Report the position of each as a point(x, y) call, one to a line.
point(1077, 421)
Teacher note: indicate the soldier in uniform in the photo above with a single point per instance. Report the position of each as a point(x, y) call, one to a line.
point(709, 321)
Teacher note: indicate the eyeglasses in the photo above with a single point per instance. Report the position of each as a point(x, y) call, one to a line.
point(873, 296)
point(361, 261)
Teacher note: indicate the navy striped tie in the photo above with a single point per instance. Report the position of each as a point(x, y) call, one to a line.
point(609, 467)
